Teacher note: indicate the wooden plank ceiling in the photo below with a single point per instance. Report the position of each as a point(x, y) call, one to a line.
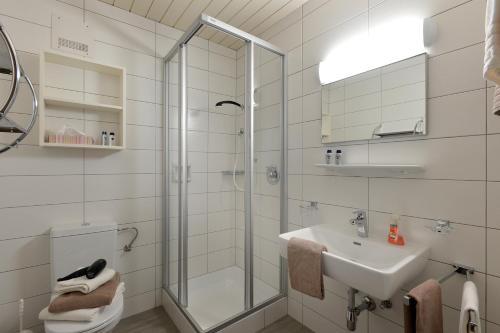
point(253, 16)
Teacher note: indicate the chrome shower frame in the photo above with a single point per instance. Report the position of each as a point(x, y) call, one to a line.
point(180, 48)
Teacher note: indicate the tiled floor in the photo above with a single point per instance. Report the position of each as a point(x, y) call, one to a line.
point(157, 321)
point(286, 325)
point(152, 321)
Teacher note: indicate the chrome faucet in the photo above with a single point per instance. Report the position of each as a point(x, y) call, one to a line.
point(361, 223)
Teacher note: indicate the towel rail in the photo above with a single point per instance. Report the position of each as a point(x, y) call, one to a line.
point(128, 247)
point(467, 271)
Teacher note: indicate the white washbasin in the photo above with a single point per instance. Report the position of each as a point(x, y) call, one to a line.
point(374, 267)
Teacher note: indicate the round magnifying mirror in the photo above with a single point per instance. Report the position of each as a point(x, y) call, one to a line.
point(10, 73)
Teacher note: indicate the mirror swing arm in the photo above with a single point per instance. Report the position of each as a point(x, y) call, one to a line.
point(7, 125)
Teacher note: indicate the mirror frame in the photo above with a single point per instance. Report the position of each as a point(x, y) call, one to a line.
point(423, 129)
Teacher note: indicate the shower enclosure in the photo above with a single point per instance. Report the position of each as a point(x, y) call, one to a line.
point(225, 174)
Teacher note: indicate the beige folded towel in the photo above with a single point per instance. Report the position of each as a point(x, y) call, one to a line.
point(305, 267)
point(491, 69)
point(84, 285)
point(81, 314)
point(496, 101)
point(75, 315)
point(76, 300)
point(470, 302)
point(427, 315)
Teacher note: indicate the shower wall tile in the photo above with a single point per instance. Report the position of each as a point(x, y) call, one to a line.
point(221, 259)
point(459, 183)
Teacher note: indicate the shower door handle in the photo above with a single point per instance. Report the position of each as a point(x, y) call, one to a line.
point(175, 174)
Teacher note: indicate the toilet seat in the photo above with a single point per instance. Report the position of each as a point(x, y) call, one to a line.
point(108, 315)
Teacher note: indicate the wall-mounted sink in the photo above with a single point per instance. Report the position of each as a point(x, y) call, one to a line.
point(372, 266)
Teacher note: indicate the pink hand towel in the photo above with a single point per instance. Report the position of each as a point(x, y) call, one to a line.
point(305, 267)
point(426, 316)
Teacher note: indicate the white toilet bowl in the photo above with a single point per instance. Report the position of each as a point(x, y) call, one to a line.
point(107, 319)
point(75, 246)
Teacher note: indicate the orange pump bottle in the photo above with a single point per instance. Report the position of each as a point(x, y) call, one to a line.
point(394, 237)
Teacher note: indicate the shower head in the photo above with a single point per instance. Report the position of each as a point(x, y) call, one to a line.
point(221, 103)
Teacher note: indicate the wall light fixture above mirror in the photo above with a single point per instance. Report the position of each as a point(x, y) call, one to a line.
point(384, 44)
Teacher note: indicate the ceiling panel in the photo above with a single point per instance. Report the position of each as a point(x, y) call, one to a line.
point(175, 11)
point(123, 4)
point(141, 7)
point(253, 16)
point(191, 13)
point(158, 9)
point(250, 8)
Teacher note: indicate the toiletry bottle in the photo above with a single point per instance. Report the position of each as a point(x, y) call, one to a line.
point(104, 138)
point(394, 237)
point(111, 139)
point(338, 156)
point(328, 156)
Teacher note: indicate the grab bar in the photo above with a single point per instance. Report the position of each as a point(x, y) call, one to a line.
point(459, 269)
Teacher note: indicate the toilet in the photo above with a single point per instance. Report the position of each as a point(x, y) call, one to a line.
point(76, 246)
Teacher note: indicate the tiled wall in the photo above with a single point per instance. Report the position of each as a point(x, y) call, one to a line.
point(460, 156)
point(42, 187)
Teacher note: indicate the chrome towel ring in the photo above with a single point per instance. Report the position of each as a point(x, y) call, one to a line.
point(11, 69)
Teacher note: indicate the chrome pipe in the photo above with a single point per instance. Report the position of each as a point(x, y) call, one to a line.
point(165, 181)
point(183, 179)
point(284, 170)
point(249, 172)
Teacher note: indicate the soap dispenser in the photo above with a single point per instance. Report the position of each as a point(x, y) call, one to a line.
point(394, 237)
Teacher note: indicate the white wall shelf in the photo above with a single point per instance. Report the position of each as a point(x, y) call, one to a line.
point(83, 94)
point(373, 169)
point(69, 145)
point(62, 102)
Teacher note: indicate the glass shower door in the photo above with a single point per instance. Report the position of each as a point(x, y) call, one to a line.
point(267, 101)
point(171, 174)
point(224, 165)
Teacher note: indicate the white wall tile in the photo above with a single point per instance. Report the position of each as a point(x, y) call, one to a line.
point(449, 37)
point(24, 283)
point(37, 220)
point(493, 286)
point(24, 252)
point(439, 157)
point(39, 190)
point(105, 187)
point(466, 109)
point(456, 72)
point(458, 201)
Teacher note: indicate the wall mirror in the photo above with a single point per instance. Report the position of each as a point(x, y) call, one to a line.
point(386, 101)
